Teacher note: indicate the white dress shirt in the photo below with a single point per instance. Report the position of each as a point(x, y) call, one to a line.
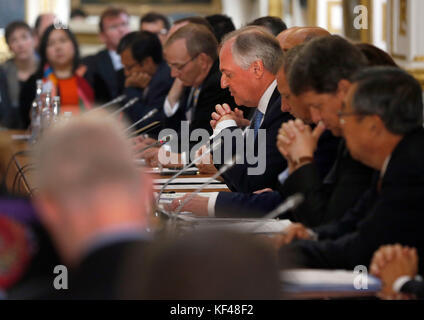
point(116, 60)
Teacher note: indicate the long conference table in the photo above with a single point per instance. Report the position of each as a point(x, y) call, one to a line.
point(19, 180)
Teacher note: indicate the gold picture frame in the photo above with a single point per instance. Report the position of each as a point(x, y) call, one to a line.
point(165, 7)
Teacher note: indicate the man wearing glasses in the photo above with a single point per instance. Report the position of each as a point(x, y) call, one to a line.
point(381, 121)
point(156, 23)
point(319, 80)
point(191, 53)
point(104, 69)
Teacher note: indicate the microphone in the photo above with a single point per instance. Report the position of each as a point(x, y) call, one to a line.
point(223, 169)
point(149, 127)
point(150, 114)
point(180, 172)
point(291, 203)
point(156, 144)
point(126, 106)
point(114, 101)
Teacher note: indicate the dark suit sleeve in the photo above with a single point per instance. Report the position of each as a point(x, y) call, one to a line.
point(349, 221)
point(307, 181)
point(236, 204)
point(414, 287)
point(327, 201)
point(387, 221)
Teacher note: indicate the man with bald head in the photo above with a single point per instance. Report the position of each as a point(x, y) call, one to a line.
point(297, 35)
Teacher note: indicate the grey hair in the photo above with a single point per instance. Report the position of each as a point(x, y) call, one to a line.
point(392, 94)
point(81, 154)
point(254, 43)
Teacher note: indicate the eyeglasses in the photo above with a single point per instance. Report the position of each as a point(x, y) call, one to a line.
point(114, 27)
point(181, 67)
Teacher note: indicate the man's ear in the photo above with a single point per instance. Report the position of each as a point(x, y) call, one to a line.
point(148, 61)
point(375, 125)
point(102, 37)
point(203, 59)
point(343, 87)
point(46, 210)
point(258, 69)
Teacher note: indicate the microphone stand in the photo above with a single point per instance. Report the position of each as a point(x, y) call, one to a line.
point(116, 100)
point(145, 117)
point(126, 106)
point(156, 144)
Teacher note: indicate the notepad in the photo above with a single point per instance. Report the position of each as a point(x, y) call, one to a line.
point(317, 280)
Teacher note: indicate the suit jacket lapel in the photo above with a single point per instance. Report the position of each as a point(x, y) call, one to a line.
point(269, 113)
point(107, 71)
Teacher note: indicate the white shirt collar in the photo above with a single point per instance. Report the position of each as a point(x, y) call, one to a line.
point(263, 102)
point(384, 167)
point(116, 60)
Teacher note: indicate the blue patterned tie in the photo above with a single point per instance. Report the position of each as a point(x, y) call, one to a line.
point(257, 122)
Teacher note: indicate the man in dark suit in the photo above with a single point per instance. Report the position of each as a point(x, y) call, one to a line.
point(248, 71)
point(7, 116)
point(327, 199)
point(104, 69)
point(257, 204)
point(381, 121)
point(147, 76)
point(191, 53)
point(92, 200)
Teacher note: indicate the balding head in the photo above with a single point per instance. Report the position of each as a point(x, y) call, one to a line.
point(283, 36)
point(297, 35)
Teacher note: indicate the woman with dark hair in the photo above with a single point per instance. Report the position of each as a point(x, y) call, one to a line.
point(17, 69)
point(61, 73)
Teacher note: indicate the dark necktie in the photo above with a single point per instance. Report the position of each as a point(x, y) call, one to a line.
point(257, 121)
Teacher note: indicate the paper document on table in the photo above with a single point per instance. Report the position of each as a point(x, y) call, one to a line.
point(191, 187)
point(167, 171)
point(187, 181)
point(239, 224)
point(20, 136)
point(302, 280)
point(169, 197)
